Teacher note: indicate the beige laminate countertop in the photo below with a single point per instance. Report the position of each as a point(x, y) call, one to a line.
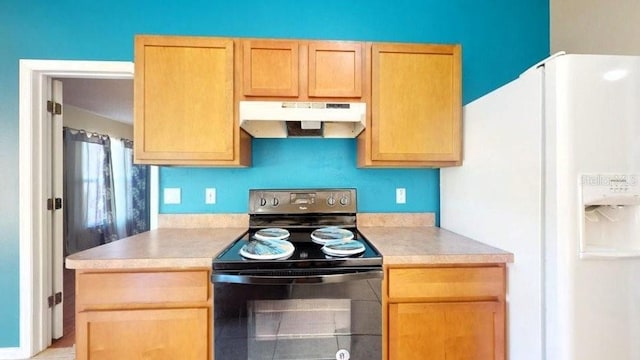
point(161, 248)
point(180, 248)
point(423, 245)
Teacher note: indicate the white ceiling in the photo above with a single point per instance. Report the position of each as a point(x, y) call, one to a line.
point(110, 98)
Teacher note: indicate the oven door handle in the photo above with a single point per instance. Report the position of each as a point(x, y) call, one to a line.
point(297, 279)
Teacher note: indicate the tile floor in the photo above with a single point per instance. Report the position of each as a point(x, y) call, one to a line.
point(68, 353)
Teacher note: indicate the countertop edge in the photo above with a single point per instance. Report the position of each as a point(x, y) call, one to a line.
point(124, 264)
point(448, 259)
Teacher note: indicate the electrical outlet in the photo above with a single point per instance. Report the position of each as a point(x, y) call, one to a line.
point(172, 196)
point(210, 196)
point(401, 196)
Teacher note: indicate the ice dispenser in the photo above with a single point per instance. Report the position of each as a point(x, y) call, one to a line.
point(610, 206)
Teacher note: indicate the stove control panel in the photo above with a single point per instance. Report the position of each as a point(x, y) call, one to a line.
point(302, 201)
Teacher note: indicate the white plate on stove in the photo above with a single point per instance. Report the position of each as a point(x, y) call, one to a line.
point(272, 234)
point(323, 235)
point(343, 247)
point(271, 249)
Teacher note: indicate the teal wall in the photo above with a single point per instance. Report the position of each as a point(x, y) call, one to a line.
point(500, 38)
point(295, 163)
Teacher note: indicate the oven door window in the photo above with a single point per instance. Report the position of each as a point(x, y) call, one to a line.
point(322, 321)
point(298, 328)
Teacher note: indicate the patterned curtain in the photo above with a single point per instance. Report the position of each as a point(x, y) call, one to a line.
point(106, 195)
point(137, 190)
point(88, 188)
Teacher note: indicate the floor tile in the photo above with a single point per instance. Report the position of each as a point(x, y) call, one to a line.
point(56, 354)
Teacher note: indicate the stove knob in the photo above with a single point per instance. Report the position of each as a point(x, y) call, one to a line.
point(275, 201)
point(263, 201)
point(331, 200)
point(344, 200)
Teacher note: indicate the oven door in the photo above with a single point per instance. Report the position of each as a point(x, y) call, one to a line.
point(265, 316)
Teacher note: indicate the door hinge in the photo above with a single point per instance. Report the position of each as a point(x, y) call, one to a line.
point(54, 107)
point(54, 204)
point(54, 299)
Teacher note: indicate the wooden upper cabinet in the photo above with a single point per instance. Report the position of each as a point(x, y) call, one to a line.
point(416, 107)
point(184, 104)
point(270, 68)
point(302, 70)
point(335, 69)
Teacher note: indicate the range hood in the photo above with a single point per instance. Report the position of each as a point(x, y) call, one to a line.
point(281, 119)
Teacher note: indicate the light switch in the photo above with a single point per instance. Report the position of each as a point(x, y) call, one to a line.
point(401, 196)
point(172, 196)
point(210, 196)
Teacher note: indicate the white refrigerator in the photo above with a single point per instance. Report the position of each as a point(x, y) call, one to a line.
point(551, 172)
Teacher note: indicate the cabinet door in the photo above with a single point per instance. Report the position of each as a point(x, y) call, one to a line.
point(270, 68)
point(473, 330)
point(416, 103)
point(143, 334)
point(184, 101)
point(335, 69)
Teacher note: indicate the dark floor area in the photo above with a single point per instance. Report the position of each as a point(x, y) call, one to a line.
point(69, 308)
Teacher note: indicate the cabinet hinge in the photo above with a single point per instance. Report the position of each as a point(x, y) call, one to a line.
point(54, 107)
point(54, 299)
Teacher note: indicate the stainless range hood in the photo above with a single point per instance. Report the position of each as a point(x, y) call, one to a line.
point(281, 119)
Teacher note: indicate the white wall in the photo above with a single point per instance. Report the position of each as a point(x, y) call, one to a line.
point(81, 119)
point(595, 26)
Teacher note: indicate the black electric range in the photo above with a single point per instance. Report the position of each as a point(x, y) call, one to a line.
point(299, 212)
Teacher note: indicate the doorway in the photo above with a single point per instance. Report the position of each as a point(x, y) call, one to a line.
point(96, 114)
point(36, 281)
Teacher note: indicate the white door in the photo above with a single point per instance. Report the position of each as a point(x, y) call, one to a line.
point(54, 323)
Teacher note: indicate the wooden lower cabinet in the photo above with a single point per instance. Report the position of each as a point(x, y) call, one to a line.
point(143, 314)
point(143, 334)
point(445, 330)
point(445, 313)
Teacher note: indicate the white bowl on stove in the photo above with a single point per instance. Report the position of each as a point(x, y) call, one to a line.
point(331, 233)
point(346, 247)
point(272, 234)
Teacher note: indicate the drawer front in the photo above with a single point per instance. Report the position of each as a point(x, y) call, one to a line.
point(142, 287)
point(438, 283)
